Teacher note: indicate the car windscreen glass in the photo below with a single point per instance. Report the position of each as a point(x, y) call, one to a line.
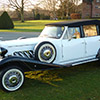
point(52, 32)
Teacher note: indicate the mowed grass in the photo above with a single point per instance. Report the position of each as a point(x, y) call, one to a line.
point(78, 83)
point(29, 26)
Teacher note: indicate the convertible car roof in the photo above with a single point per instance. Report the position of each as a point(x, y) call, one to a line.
point(75, 23)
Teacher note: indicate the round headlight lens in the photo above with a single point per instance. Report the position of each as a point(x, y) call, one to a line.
point(3, 51)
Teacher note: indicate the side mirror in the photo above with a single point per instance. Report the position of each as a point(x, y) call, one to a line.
point(72, 37)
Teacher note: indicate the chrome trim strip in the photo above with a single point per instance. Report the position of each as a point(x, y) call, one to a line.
point(21, 45)
point(25, 54)
point(85, 61)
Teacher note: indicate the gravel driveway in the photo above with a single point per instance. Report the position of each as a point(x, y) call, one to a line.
point(15, 35)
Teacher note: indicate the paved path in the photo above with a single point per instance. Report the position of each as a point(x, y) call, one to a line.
point(15, 35)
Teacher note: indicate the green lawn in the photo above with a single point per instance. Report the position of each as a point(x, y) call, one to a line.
point(74, 83)
point(29, 26)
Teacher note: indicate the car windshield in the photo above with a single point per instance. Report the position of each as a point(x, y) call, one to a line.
point(52, 32)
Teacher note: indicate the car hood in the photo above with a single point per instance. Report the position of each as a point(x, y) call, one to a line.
point(19, 42)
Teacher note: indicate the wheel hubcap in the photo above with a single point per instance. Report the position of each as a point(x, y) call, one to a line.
point(46, 53)
point(13, 79)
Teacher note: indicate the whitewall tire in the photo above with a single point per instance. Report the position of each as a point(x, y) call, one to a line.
point(45, 52)
point(11, 78)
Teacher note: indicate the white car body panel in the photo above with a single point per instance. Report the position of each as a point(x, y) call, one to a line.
point(92, 45)
point(71, 50)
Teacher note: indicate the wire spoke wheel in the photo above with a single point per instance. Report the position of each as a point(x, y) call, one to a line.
point(12, 79)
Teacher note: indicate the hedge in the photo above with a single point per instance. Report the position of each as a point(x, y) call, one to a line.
point(5, 21)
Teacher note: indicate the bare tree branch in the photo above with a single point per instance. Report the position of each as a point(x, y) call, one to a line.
point(19, 6)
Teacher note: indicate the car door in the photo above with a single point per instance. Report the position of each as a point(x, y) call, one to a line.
point(73, 45)
point(92, 40)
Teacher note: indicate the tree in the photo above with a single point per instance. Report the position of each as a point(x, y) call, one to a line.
point(5, 21)
point(67, 6)
point(18, 5)
point(50, 5)
point(64, 7)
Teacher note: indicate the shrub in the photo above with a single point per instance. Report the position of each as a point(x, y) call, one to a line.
point(37, 17)
point(5, 21)
point(75, 16)
point(44, 17)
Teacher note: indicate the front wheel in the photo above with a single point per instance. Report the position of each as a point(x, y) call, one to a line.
point(11, 78)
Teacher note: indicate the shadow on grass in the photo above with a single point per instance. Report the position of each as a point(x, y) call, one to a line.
point(60, 74)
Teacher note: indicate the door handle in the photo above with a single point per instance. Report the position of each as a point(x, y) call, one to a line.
point(83, 42)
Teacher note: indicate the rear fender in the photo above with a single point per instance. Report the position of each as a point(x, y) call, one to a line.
point(98, 54)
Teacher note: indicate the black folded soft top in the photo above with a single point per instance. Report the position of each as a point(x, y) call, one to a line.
point(75, 23)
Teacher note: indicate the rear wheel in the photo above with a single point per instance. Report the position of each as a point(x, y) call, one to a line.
point(11, 78)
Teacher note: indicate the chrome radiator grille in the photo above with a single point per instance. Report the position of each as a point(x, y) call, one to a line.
point(25, 54)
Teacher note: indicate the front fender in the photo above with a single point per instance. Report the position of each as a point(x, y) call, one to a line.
point(26, 63)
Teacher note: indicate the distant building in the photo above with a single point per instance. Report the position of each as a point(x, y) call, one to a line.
point(91, 9)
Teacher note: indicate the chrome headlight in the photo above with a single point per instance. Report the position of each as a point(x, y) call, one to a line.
point(3, 51)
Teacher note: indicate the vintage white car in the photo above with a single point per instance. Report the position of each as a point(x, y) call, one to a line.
point(61, 44)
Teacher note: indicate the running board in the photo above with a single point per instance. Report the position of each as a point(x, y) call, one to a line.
point(85, 61)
